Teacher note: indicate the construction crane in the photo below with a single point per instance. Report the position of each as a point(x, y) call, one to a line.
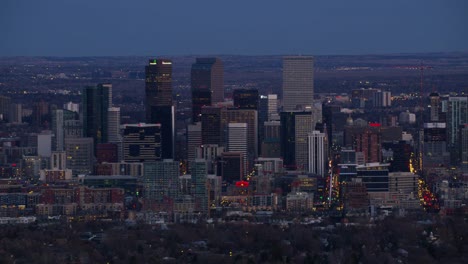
point(421, 67)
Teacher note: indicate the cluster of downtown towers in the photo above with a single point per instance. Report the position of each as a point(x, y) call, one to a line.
point(237, 126)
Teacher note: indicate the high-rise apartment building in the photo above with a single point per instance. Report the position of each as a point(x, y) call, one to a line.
point(59, 117)
point(198, 169)
point(369, 142)
point(160, 181)
point(435, 107)
point(457, 115)
point(158, 103)
point(96, 103)
point(298, 82)
point(207, 80)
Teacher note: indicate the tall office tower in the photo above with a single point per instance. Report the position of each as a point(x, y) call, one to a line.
point(59, 117)
point(298, 82)
point(4, 107)
point(80, 155)
point(271, 147)
point(113, 125)
point(369, 142)
point(237, 141)
point(435, 107)
point(457, 115)
point(194, 140)
point(211, 125)
point(249, 116)
point(317, 153)
point(109, 88)
point(95, 101)
point(160, 182)
point(245, 98)
point(295, 128)
point(199, 173)
point(142, 142)
point(40, 110)
point(16, 113)
point(159, 108)
point(207, 79)
point(267, 111)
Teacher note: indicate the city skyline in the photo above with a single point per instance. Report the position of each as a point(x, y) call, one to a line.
point(115, 28)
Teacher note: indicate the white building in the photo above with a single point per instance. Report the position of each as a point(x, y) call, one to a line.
point(237, 140)
point(70, 106)
point(317, 153)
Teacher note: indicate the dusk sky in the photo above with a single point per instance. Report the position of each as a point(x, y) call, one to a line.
point(254, 27)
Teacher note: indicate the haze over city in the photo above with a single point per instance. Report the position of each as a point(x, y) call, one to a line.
point(146, 27)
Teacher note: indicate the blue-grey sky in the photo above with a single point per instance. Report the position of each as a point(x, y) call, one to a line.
point(176, 27)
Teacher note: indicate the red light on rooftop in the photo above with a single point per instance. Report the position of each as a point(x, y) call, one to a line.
point(242, 184)
point(375, 124)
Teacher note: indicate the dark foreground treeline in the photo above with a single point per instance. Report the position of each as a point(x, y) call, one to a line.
point(388, 241)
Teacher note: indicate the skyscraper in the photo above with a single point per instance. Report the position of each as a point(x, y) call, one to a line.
point(198, 169)
point(207, 80)
point(237, 140)
point(250, 117)
point(317, 153)
point(194, 140)
point(113, 125)
point(159, 108)
point(435, 107)
point(295, 128)
point(211, 125)
point(298, 82)
point(457, 115)
point(59, 117)
point(95, 108)
point(245, 98)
